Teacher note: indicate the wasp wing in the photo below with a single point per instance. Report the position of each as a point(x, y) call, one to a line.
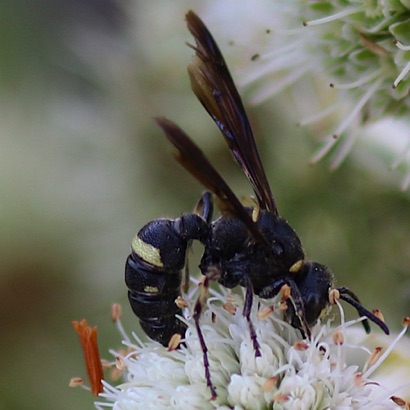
point(190, 156)
point(212, 83)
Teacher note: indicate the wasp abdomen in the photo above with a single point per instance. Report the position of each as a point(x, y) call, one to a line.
point(153, 273)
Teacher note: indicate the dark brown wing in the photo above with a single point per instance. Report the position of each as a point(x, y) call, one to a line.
point(194, 161)
point(213, 85)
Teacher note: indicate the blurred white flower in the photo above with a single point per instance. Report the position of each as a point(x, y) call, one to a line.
point(346, 64)
point(290, 374)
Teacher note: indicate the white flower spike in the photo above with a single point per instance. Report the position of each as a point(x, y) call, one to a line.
point(290, 374)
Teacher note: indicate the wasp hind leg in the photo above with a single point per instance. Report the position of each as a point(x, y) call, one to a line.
point(201, 301)
point(247, 307)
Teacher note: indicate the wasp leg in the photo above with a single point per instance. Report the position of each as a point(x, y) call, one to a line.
point(299, 309)
point(247, 314)
point(197, 314)
point(203, 208)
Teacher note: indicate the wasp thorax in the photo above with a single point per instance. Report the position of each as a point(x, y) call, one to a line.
point(285, 243)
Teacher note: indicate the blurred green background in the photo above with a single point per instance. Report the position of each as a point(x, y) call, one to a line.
point(83, 167)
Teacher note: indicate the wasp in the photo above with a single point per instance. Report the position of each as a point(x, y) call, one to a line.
point(252, 247)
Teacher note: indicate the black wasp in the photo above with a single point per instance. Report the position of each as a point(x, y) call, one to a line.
point(251, 247)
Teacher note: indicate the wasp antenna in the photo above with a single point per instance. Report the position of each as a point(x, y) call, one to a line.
point(348, 296)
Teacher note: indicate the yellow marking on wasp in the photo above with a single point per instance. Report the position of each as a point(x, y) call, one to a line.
point(255, 214)
point(147, 252)
point(151, 289)
point(296, 267)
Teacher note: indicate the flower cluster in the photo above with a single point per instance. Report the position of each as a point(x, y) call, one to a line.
point(291, 373)
point(361, 49)
point(367, 43)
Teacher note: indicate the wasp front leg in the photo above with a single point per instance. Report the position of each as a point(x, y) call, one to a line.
point(296, 314)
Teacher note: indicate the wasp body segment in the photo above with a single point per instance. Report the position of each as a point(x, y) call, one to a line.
point(154, 272)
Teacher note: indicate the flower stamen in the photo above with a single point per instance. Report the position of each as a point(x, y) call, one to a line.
point(336, 16)
point(380, 359)
point(400, 402)
point(311, 119)
point(346, 122)
point(76, 382)
point(270, 384)
point(266, 312)
point(400, 77)
point(174, 342)
point(338, 337)
point(358, 83)
point(365, 98)
point(88, 340)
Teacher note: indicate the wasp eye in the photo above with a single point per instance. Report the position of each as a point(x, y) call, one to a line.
point(277, 249)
